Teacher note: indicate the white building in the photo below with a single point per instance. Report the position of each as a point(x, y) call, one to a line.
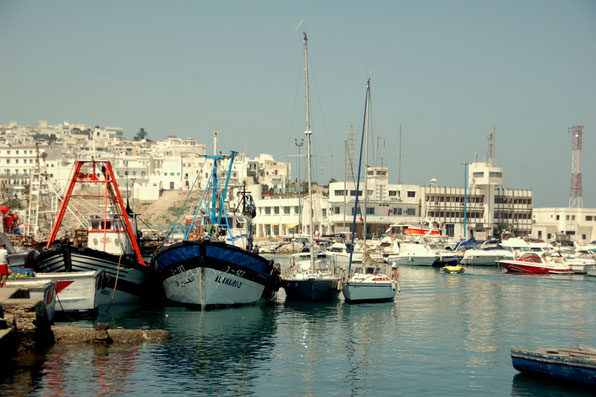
point(575, 224)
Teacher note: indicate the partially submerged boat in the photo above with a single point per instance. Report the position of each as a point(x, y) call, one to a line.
point(574, 366)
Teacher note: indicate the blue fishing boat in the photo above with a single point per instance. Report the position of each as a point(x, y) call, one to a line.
point(214, 264)
point(574, 366)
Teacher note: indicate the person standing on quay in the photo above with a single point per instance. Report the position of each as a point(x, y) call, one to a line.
point(3, 266)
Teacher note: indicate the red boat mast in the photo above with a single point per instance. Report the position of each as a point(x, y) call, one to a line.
point(105, 175)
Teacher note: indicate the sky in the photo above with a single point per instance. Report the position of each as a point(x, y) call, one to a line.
point(447, 71)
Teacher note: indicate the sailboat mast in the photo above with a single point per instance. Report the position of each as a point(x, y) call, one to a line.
point(308, 133)
point(365, 193)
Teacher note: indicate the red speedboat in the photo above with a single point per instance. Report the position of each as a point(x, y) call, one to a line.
point(532, 262)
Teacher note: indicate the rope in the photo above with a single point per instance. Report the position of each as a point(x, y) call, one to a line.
point(115, 283)
point(183, 204)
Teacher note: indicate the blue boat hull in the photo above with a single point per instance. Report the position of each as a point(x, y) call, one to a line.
point(210, 274)
point(561, 365)
point(312, 289)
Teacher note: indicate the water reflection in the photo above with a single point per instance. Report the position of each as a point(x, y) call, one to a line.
point(220, 348)
point(529, 386)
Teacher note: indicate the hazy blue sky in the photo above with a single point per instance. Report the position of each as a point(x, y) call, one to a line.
point(446, 69)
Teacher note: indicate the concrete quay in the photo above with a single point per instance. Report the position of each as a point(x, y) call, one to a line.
point(24, 322)
point(25, 327)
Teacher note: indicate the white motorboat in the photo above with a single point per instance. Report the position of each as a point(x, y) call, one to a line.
point(488, 254)
point(341, 254)
point(413, 254)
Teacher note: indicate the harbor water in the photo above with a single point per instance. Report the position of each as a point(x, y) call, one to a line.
point(443, 335)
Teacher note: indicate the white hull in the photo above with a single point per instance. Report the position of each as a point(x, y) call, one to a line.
point(38, 289)
point(412, 260)
point(77, 291)
point(485, 259)
point(369, 291)
point(130, 282)
point(209, 287)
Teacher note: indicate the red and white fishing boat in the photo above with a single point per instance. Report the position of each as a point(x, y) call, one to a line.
point(98, 235)
point(539, 263)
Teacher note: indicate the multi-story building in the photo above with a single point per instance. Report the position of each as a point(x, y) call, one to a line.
point(17, 163)
point(477, 209)
point(563, 223)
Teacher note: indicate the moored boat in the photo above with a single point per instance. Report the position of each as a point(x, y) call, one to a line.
point(41, 289)
point(574, 366)
point(453, 269)
point(531, 262)
point(488, 254)
point(103, 238)
point(309, 281)
point(369, 281)
point(213, 265)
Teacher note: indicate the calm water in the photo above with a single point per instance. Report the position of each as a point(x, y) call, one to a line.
point(444, 335)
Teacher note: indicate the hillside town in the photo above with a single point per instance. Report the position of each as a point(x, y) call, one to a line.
point(155, 176)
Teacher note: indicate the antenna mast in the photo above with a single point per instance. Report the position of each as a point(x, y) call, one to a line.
point(491, 146)
point(576, 199)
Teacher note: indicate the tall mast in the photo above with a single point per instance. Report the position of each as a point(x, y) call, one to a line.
point(365, 192)
point(308, 133)
point(399, 157)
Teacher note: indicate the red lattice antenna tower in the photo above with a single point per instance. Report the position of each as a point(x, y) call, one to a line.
point(576, 197)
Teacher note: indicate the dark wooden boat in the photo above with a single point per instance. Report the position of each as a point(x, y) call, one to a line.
point(573, 366)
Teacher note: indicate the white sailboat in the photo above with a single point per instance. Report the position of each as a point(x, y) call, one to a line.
point(370, 281)
point(314, 282)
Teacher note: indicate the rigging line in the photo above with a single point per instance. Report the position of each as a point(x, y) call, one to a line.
point(183, 205)
point(314, 78)
point(291, 127)
point(62, 197)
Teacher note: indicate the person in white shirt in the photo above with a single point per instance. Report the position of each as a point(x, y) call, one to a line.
point(3, 266)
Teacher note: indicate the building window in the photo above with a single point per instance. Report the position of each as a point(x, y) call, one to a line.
point(276, 210)
point(287, 210)
point(370, 211)
point(478, 174)
point(411, 211)
point(296, 210)
point(397, 211)
point(339, 192)
point(557, 217)
point(588, 218)
point(324, 210)
point(411, 193)
point(392, 193)
point(267, 210)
